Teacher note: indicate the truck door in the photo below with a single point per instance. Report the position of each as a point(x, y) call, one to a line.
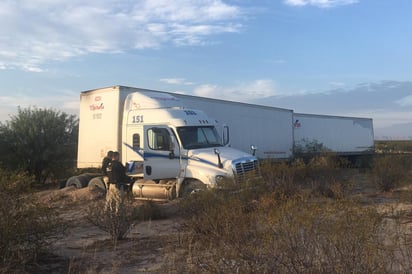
point(133, 153)
point(161, 153)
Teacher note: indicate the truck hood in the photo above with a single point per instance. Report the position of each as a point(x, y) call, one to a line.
point(227, 155)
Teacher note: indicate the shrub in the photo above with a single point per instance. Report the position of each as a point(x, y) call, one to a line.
point(16, 182)
point(282, 177)
point(116, 217)
point(321, 175)
point(286, 235)
point(27, 227)
point(218, 225)
point(389, 171)
point(323, 237)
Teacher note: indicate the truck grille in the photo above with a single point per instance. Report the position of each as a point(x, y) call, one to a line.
point(246, 167)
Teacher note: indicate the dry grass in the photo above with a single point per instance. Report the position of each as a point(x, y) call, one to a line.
point(317, 216)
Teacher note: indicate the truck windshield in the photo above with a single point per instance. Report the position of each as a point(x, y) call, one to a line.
point(198, 137)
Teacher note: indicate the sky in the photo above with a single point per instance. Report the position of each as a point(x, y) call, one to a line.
point(333, 57)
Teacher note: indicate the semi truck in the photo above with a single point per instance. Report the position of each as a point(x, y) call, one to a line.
point(169, 149)
point(344, 136)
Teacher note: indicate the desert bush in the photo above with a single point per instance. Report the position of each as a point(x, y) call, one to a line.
point(27, 228)
point(321, 175)
point(220, 222)
point(309, 147)
point(283, 177)
point(16, 182)
point(289, 234)
point(389, 171)
point(116, 216)
point(324, 237)
point(401, 241)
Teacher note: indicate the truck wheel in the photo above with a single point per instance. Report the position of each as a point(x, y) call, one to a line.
point(190, 187)
point(97, 183)
point(79, 181)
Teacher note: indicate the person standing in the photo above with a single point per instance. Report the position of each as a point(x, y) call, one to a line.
point(106, 162)
point(106, 167)
point(118, 181)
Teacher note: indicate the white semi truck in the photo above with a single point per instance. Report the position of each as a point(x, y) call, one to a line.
point(345, 136)
point(169, 149)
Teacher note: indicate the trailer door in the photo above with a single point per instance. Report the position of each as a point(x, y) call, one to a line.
point(161, 151)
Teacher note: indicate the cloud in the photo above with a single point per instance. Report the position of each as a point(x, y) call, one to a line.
point(242, 93)
point(34, 32)
point(320, 3)
point(176, 81)
point(405, 101)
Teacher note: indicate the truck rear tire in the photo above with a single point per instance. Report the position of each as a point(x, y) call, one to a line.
point(74, 181)
point(80, 181)
point(97, 183)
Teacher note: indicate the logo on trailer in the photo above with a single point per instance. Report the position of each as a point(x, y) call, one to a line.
point(94, 107)
point(296, 124)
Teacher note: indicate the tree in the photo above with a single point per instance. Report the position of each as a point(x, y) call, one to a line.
point(40, 141)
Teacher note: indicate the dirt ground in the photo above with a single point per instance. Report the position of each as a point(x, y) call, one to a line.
point(151, 246)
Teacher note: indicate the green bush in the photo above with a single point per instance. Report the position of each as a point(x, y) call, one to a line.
point(27, 227)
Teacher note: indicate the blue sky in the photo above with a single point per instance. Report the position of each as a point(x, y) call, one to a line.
point(337, 57)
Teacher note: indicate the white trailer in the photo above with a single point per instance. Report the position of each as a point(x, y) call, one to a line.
point(269, 129)
point(341, 135)
point(171, 149)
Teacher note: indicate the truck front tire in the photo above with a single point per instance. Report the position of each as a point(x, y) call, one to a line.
point(190, 187)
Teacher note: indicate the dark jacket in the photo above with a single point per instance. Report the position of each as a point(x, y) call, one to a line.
point(117, 175)
point(105, 165)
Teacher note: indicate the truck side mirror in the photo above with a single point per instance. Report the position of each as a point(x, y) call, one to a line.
point(253, 148)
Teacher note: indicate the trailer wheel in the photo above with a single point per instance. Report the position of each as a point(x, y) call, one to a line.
point(97, 183)
point(190, 187)
point(80, 181)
